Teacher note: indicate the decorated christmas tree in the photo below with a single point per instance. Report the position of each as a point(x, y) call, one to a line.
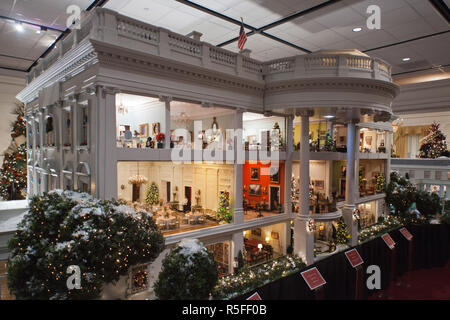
point(295, 191)
point(380, 183)
point(434, 144)
point(13, 174)
point(329, 143)
point(152, 195)
point(342, 234)
point(224, 213)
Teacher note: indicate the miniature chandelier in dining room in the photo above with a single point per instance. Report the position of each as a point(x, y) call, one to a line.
point(137, 179)
point(121, 109)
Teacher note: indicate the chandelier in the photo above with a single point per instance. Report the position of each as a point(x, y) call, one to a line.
point(137, 178)
point(121, 109)
point(182, 119)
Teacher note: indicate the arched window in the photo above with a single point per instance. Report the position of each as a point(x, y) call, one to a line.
point(50, 136)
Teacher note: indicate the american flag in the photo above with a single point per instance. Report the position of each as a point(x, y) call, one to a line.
point(242, 37)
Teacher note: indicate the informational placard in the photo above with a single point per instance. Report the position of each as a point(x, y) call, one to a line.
point(406, 233)
point(254, 296)
point(354, 258)
point(388, 240)
point(313, 278)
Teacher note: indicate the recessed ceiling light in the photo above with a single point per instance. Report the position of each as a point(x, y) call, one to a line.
point(329, 116)
point(406, 59)
point(38, 31)
point(357, 29)
point(19, 26)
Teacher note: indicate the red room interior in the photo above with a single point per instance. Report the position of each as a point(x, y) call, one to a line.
point(262, 171)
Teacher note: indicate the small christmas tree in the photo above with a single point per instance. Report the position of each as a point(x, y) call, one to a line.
point(13, 174)
point(329, 143)
point(152, 195)
point(342, 234)
point(295, 191)
point(189, 272)
point(240, 262)
point(224, 213)
point(434, 143)
point(380, 183)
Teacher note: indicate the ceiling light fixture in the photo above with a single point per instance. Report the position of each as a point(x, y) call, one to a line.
point(357, 29)
point(19, 26)
point(406, 59)
point(329, 116)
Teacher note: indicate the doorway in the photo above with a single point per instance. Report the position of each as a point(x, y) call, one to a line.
point(136, 192)
point(274, 199)
point(168, 191)
point(187, 196)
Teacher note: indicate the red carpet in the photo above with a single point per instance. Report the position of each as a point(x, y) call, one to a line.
point(427, 284)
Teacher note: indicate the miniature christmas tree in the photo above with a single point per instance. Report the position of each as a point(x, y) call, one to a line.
point(13, 174)
point(189, 272)
point(329, 143)
point(224, 212)
point(433, 145)
point(380, 183)
point(342, 234)
point(152, 195)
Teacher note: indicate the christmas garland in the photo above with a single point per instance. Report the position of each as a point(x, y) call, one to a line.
point(250, 278)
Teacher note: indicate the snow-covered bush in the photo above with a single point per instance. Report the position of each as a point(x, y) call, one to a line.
point(188, 272)
point(103, 238)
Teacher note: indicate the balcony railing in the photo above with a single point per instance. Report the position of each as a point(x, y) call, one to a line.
point(109, 26)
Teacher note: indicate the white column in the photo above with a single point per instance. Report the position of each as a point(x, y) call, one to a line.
point(304, 240)
point(167, 101)
point(106, 173)
point(288, 166)
point(236, 246)
point(238, 214)
point(357, 132)
point(350, 193)
point(287, 236)
point(387, 139)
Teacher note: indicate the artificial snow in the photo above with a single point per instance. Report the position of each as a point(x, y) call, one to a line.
point(11, 224)
point(190, 246)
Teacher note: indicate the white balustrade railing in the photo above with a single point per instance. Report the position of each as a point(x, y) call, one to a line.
point(103, 21)
point(185, 45)
point(321, 62)
point(137, 30)
point(222, 56)
point(281, 65)
point(356, 62)
point(252, 65)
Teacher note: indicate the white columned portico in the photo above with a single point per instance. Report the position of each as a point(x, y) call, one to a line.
point(350, 194)
point(303, 239)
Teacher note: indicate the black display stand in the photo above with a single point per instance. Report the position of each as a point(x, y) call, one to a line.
point(430, 248)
